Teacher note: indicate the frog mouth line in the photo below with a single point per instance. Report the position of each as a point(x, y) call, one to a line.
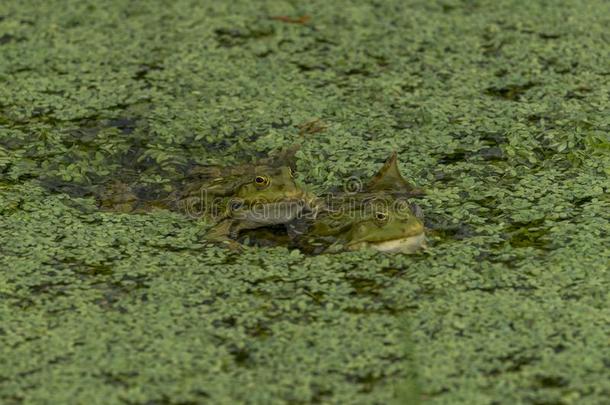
point(409, 244)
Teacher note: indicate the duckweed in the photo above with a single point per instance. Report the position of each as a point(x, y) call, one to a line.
point(498, 110)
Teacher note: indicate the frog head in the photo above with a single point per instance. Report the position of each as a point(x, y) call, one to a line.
point(386, 230)
point(271, 196)
point(263, 192)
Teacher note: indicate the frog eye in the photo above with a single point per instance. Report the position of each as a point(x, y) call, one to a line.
point(261, 181)
point(381, 217)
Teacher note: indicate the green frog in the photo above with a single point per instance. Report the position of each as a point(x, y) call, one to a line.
point(378, 216)
point(244, 197)
point(381, 227)
point(233, 198)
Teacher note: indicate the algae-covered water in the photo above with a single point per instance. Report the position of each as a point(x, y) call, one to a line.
point(499, 110)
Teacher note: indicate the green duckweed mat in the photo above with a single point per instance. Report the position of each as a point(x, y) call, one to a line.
point(500, 110)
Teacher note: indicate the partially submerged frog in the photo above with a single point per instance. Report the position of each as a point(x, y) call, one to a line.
point(243, 197)
point(382, 227)
point(233, 198)
point(378, 217)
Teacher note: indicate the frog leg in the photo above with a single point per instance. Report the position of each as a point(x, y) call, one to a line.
point(241, 226)
point(297, 228)
point(335, 248)
point(222, 232)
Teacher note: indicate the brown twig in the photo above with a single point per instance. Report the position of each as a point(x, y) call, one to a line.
point(312, 127)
